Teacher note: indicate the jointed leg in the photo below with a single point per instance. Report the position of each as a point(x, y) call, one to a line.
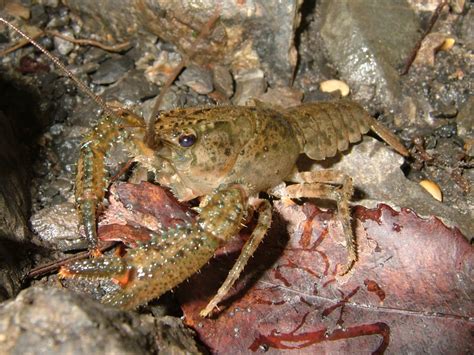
point(264, 221)
point(321, 184)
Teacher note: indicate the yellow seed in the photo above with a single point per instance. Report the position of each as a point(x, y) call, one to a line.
point(447, 44)
point(433, 189)
point(334, 85)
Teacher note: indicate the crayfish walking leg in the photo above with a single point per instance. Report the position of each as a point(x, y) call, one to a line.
point(333, 185)
point(175, 254)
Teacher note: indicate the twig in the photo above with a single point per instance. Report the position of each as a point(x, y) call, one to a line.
point(415, 50)
point(55, 265)
point(82, 42)
point(20, 44)
point(89, 42)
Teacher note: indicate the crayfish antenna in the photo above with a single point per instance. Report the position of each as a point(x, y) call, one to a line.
point(98, 100)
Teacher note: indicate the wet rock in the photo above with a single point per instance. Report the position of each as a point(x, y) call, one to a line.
point(223, 81)
point(60, 322)
point(95, 55)
point(375, 170)
point(58, 226)
point(170, 101)
point(38, 15)
point(131, 89)
point(249, 83)
point(466, 29)
point(247, 35)
point(430, 45)
point(465, 119)
point(174, 337)
point(447, 130)
point(62, 46)
point(112, 70)
point(50, 3)
point(162, 66)
point(368, 42)
point(198, 79)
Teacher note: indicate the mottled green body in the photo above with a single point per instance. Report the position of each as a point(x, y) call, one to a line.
point(255, 146)
point(172, 256)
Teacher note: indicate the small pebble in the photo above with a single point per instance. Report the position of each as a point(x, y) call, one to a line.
point(335, 85)
point(447, 44)
point(64, 47)
point(198, 79)
point(249, 83)
point(447, 131)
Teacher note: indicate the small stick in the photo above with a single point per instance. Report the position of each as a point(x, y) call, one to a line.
point(82, 42)
point(55, 265)
point(89, 42)
point(19, 45)
point(415, 50)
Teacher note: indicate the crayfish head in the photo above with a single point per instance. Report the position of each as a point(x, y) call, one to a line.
point(200, 148)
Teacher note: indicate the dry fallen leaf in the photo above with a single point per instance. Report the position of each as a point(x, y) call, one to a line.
point(410, 291)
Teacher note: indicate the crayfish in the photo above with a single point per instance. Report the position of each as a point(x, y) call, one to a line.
point(226, 155)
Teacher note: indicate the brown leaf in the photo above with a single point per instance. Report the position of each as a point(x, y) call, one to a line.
point(135, 210)
point(410, 291)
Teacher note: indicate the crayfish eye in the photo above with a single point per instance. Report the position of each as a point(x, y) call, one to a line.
point(187, 140)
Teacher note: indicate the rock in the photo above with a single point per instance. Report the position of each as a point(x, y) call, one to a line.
point(112, 70)
point(249, 83)
point(251, 34)
point(58, 226)
point(61, 322)
point(131, 89)
point(466, 29)
point(368, 42)
point(375, 170)
point(465, 119)
point(198, 79)
point(174, 337)
point(223, 81)
point(62, 46)
point(163, 65)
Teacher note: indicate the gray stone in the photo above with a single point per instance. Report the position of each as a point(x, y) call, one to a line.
point(223, 81)
point(249, 84)
point(250, 34)
point(465, 119)
point(112, 70)
point(58, 226)
point(369, 41)
point(131, 89)
point(57, 321)
point(466, 29)
point(198, 79)
point(62, 46)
